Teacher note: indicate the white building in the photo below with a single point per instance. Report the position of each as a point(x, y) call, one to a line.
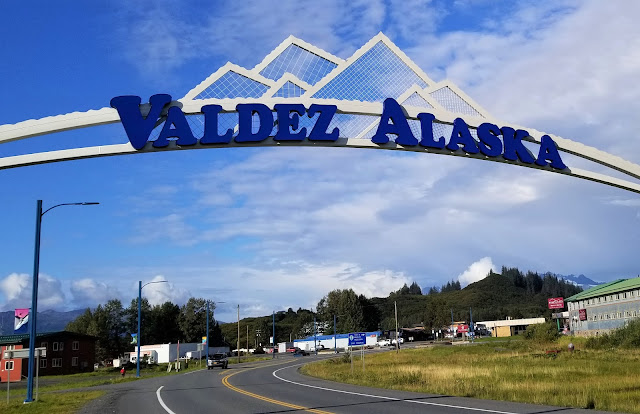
point(169, 352)
point(328, 341)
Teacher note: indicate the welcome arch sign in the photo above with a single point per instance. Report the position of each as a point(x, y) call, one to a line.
point(301, 95)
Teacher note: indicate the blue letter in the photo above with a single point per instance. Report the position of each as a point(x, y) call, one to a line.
point(319, 130)
point(400, 127)
point(211, 135)
point(426, 125)
point(245, 122)
point(138, 128)
point(461, 135)
point(514, 149)
point(549, 152)
point(182, 130)
point(490, 145)
point(289, 116)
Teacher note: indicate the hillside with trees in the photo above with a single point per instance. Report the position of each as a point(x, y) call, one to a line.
point(510, 293)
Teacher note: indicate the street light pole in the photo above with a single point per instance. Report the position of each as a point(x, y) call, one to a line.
point(140, 286)
point(34, 292)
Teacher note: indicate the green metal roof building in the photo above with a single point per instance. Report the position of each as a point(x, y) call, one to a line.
point(604, 307)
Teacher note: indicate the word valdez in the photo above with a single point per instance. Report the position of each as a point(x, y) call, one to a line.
point(287, 116)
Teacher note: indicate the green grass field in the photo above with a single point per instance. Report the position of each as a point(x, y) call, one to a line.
point(511, 371)
point(63, 403)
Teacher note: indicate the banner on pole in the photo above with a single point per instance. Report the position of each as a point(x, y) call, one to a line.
point(21, 321)
point(134, 338)
point(204, 339)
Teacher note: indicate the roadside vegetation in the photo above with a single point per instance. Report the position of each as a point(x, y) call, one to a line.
point(66, 403)
point(600, 374)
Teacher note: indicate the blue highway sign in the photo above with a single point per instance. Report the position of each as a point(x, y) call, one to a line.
point(357, 338)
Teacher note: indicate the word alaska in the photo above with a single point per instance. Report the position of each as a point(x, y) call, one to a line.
point(491, 141)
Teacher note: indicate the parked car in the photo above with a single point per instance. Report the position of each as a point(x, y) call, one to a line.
point(300, 352)
point(292, 349)
point(400, 339)
point(384, 342)
point(217, 360)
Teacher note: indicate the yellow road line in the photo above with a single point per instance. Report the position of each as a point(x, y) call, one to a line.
point(225, 382)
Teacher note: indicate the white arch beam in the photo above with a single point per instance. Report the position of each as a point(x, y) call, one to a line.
point(104, 116)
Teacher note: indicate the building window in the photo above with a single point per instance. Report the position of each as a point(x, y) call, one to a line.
point(43, 363)
point(58, 346)
point(8, 365)
point(76, 345)
point(43, 345)
point(56, 362)
point(55, 346)
point(74, 361)
point(61, 346)
point(10, 348)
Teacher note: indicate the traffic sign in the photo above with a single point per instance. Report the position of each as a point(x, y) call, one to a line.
point(24, 353)
point(357, 338)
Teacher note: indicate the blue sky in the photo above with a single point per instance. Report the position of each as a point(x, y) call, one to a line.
point(271, 228)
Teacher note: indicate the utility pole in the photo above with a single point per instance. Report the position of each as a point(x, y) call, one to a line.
point(238, 333)
point(273, 340)
point(247, 337)
point(471, 330)
point(335, 341)
point(315, 334)
point(395, 305)
point(453, 338)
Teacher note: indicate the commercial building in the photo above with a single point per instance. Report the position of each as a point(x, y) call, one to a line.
point(328, 341)
point(67, 353)
point(604, 307)
point(509, 327)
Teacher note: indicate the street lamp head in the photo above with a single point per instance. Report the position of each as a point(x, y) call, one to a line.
point(90, 203)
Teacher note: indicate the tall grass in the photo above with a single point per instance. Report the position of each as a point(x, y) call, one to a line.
point(521, 371)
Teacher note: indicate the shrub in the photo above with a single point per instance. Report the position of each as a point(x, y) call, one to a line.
point(542, 332)
point(624, 337)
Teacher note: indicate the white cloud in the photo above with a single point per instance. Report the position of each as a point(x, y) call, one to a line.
point(17, 287)
point(89, 292)
point(477, 271)
point(159, 292)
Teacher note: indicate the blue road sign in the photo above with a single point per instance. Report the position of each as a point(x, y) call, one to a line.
point(357, 338)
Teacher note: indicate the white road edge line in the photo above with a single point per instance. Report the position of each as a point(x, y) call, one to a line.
point(382, 397)
point(162, 402)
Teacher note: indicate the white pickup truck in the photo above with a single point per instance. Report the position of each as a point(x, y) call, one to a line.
point(217, 360)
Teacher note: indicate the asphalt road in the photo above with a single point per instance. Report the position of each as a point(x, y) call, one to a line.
point(276, 387)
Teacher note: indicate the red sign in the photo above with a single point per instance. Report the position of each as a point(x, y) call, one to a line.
point(463, 328)
point(583, 314)
point(556, 303)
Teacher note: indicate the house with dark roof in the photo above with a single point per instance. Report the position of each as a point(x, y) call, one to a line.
point(66, 353)
point(604, 307)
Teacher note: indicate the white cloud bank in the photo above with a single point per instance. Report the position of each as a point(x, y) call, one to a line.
point(16, 289)
point(476, 272)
